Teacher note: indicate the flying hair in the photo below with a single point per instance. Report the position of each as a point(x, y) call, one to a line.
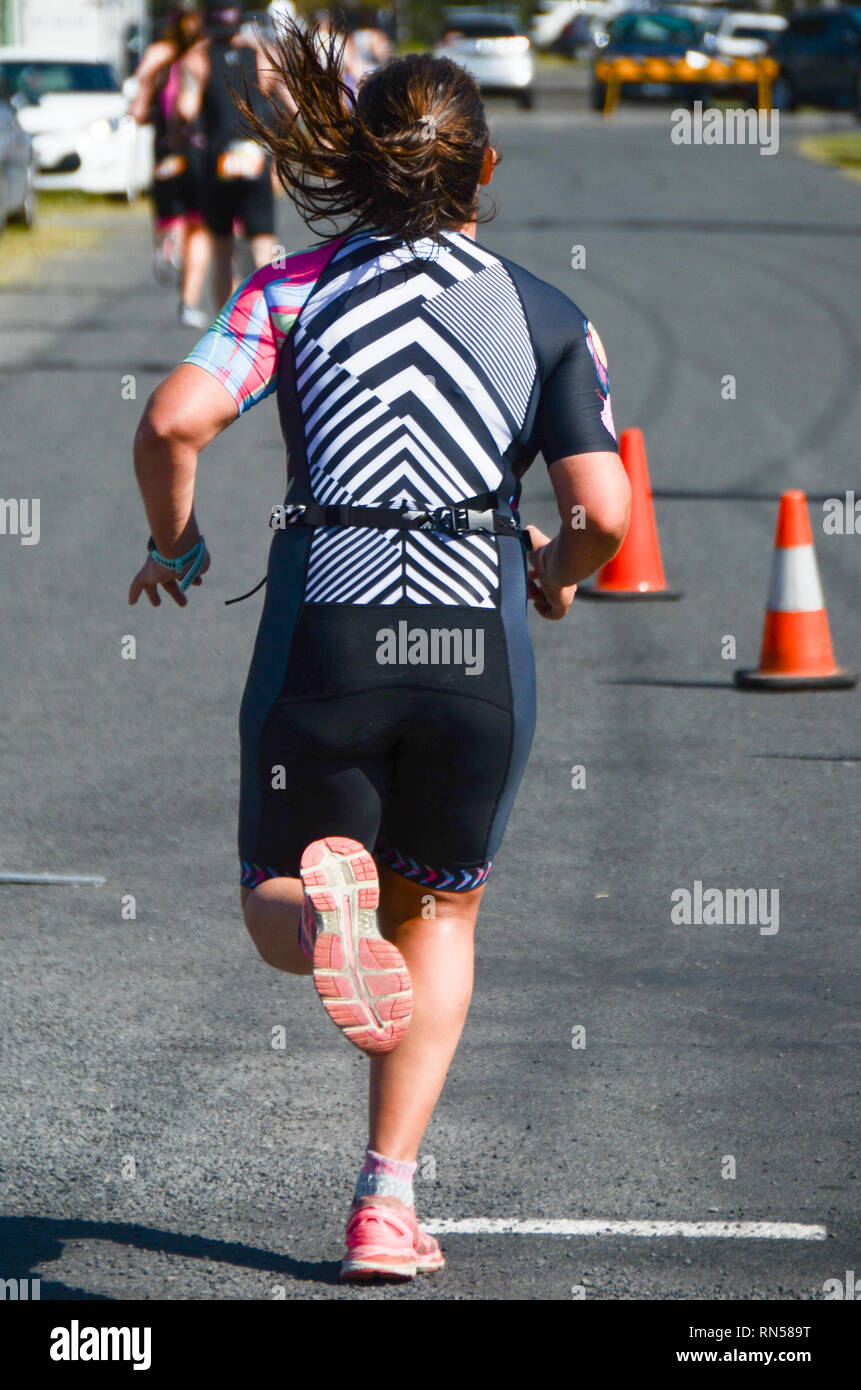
point(404, 155)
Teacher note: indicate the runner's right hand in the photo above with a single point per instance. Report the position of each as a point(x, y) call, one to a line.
point(551, 601)
point(152, 574)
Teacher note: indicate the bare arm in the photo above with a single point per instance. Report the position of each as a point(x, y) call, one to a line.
point(157, 56)
point(184, 414)
point(271, 83)
point(594, 500)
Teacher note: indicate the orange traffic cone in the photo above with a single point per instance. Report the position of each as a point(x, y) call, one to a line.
point(796, 641)
point(637, 570)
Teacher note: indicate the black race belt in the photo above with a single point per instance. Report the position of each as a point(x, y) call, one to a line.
point(475, 514)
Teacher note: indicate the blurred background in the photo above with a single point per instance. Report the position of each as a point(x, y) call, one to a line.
point(68, 67)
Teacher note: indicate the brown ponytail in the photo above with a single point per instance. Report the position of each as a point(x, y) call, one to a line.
point(405, 156)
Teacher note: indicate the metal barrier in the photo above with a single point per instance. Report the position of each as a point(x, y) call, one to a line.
point(616, 72)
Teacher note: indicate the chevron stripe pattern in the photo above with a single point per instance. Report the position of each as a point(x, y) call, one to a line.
point(453, 880)
point(414, 374)
point(253, 874)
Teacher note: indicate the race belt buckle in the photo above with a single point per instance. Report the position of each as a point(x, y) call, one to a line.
point(454, 520)
point(483, 521)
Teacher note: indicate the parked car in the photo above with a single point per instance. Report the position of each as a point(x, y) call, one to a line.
point(492, 46)
point(657, 34)
point(577, 39)
point(550, 19)
point(77, 115)
point(17, 164)
point(820, 60)
point(743, 34)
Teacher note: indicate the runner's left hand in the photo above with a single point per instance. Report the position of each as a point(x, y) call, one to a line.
point(551, 601)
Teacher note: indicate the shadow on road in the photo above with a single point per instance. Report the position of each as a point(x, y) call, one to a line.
point(83, 364)
point(28, 1242)
point(681, 494)
point(671, 685)
point(813, 757)
point(686, 224)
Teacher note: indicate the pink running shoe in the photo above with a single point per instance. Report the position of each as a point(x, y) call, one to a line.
point(361, 978)
point(384, 1242)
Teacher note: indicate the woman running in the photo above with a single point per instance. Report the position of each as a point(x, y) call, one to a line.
point(390, 704)
point(237, 175)
point(182, 243)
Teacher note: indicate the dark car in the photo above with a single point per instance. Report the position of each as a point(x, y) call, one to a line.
point(17, 164)
point(577, 39)
point(820, 61)
point(639, 34)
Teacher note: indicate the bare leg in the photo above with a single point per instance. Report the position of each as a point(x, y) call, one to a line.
point(222, 270)
point(272, 917)
point(262, 249)
point(406, 1083)
point(195, 264)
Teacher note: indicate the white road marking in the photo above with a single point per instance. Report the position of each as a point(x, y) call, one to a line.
point(721, 1230)
point(52, 877)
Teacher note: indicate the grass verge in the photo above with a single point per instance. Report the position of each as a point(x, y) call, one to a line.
point(65, 223)
point(842, 151)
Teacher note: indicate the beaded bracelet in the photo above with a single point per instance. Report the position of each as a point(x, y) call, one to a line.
point(194, 559)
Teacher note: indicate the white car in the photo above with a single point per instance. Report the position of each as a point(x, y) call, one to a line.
point(744, 34)
point(77, 115)
point(492, 46)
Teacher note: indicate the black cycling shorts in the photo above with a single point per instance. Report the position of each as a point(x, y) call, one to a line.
point(248, 201)
point(180, 194)
point(406, 727)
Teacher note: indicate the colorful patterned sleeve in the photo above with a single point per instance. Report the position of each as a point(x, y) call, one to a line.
point(242, 347)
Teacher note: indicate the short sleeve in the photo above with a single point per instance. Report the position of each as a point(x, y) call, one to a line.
point(575, 414)
point(242, 346)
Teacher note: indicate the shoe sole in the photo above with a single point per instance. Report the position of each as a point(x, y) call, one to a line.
point(360, 1269)
point(361, 978)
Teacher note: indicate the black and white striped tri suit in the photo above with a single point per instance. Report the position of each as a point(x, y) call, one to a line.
point(423, 378)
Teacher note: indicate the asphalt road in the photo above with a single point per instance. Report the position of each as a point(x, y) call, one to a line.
point(150, 1039)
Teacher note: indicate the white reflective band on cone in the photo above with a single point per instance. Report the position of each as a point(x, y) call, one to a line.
point(795, 586)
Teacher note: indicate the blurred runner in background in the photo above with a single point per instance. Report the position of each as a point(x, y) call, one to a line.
point(238, 190)
point(367, 46)
point(280, 12)
point(182, 243)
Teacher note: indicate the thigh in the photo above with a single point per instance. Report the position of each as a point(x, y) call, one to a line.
point(219, 204)
point(168, 199)
point(256, 206)
point(303, 790)
point(451, 770)
point(404, 901)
